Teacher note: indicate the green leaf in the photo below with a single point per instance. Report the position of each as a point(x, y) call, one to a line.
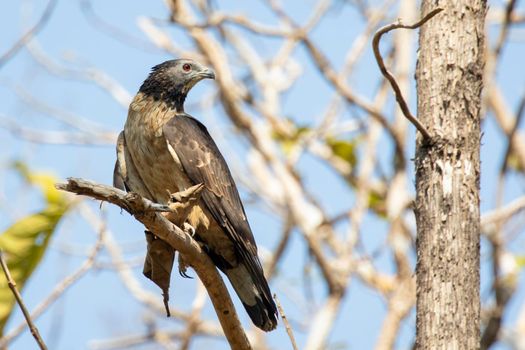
point(25, 241)
point(514, 162)
point(343, 149)
point(376, 202)
point(289, 142)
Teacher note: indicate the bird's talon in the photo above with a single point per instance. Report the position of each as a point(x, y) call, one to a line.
point(183, 267)
point(189, 229)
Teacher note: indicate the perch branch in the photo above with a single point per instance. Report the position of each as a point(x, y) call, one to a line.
point(399, 96)
point(12, 285)
point(147, 213)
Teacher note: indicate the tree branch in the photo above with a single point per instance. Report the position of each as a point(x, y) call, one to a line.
point(148, 214)
point(57, 292)
point(12, 285)
point(397, 91)
point(289, 329)
point(29, 34)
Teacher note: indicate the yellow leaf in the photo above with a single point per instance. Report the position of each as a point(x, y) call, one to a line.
point(25, 241)
point(346, 150)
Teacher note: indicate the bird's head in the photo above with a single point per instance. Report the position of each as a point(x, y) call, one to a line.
point(172, 80)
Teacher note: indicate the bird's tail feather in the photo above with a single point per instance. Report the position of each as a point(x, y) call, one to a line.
point(255, 295)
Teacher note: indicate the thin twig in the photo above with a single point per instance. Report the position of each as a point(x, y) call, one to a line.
point(519, 116)
point(505, 120)
point(289, 330)
point(87, 73)
point(331, 75)
point(29, 34)
point(36, 135)
point(12, 285)
point(507, 21)
point(500, 215)
point(98, 23)
point(399, 96)
point(57, 292)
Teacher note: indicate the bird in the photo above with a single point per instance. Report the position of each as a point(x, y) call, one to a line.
point(164, 150)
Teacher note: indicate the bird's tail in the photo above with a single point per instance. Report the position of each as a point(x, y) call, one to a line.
point(252, 288)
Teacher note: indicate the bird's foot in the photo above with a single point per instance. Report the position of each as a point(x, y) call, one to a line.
point(182, 203)
point(190, 195)
point(190, 230)
point(183, 267)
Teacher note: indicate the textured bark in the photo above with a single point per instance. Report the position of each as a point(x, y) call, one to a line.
point(449, 83)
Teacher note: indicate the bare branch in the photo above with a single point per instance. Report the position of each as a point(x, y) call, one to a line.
point(57, 292)
point(112, 30)
point(399, 305)
point(56, 137)
point(507, 21)
point(30, 33)
point(506, 121)
point(399, 96)
point(519, 116)
point(289, 329)
point(498, 216)
point(146, 212)
point(125, 272)
point(12, 285)
point(322, 324)
point(98, 77)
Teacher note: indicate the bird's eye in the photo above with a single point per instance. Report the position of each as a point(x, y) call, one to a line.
point(186, 67)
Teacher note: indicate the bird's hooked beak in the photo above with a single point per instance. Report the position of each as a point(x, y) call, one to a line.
point(207, 73)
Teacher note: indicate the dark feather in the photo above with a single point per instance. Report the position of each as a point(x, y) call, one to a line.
point(203, 163)
point(118, 180)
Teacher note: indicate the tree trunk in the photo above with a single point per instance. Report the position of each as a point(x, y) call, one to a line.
point(449, 82)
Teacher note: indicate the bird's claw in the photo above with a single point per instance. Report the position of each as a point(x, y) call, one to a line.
point(189, 229)
point(183, 267)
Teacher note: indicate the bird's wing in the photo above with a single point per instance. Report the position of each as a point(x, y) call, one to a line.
point(203, 163)
point(193, 147)
point(119, 171)
point(125, 174)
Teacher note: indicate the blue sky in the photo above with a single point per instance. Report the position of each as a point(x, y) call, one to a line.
point(98, 306)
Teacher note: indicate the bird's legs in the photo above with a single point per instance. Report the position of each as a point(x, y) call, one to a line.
point(181, 203)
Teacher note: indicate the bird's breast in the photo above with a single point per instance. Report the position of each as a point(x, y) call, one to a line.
point(157, 165)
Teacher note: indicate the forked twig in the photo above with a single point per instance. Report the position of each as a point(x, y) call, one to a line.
point(397, 91)
point(12, 285)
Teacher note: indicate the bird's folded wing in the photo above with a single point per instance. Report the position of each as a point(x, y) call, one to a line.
point(120, 172)
point(203, 163)
point(125, 174)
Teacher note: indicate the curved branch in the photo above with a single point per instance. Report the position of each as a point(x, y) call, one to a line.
point(29, 34)
point(148, 214)
point(399, 96)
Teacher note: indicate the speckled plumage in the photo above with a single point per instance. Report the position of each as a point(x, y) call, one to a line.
point(162, 149)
